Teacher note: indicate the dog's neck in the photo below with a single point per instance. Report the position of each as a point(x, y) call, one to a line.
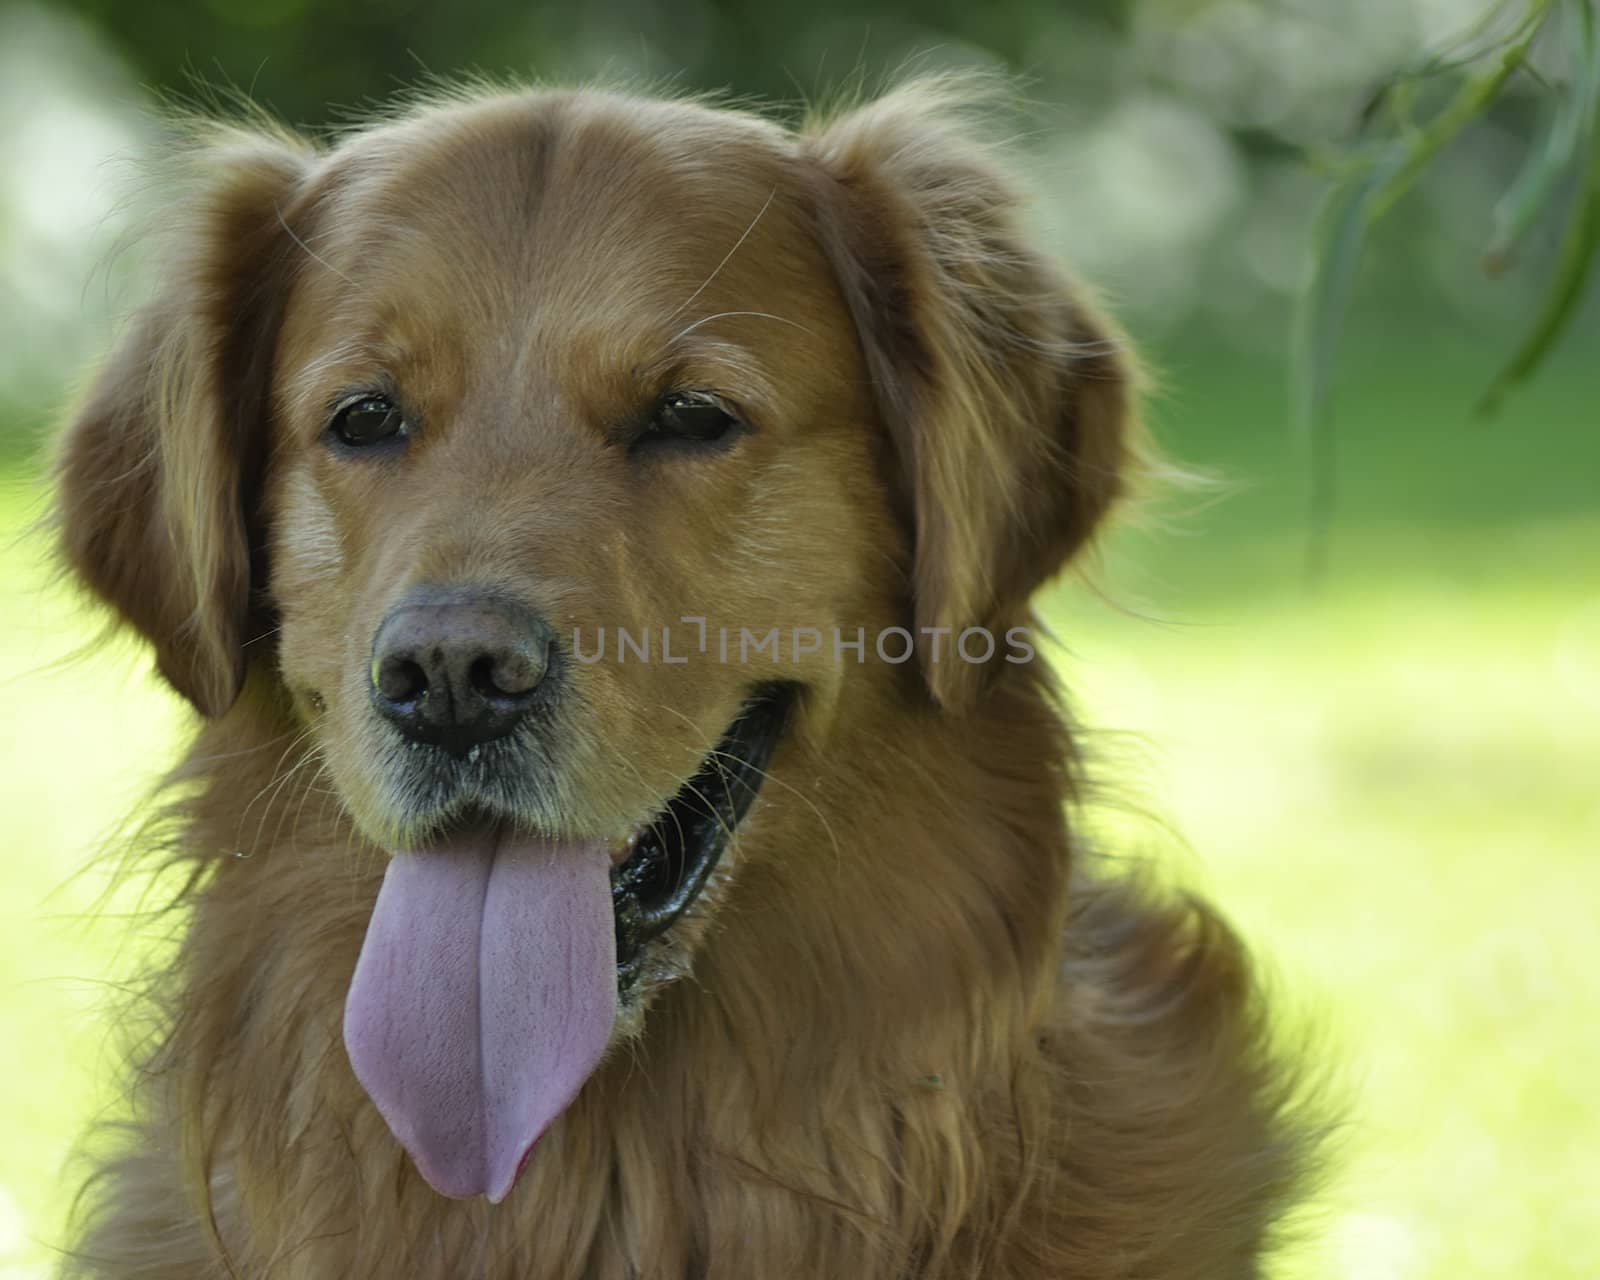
point(863, 1027)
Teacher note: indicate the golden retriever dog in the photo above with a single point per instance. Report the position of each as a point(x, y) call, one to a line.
point(626, 832)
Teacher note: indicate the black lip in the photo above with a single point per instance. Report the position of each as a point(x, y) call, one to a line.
point(677, 852)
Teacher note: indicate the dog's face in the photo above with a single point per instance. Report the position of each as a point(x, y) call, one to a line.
point(608, 407)
point(564, 454)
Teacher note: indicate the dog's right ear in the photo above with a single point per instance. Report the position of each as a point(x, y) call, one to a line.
point(157, 470)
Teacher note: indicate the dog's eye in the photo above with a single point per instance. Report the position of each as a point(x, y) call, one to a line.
point(688, 415)
point(367, 420)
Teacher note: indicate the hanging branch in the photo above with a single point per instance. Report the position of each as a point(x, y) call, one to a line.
point(1377, 174)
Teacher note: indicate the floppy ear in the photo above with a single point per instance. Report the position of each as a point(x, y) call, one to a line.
point(157, 470)
point(1007, 398)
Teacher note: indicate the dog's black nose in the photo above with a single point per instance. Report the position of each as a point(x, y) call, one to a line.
point(459, 670)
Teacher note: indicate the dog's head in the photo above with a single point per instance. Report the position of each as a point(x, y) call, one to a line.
point(564, 455)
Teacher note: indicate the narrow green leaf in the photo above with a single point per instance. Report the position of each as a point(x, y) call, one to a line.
point(1567, 285)
point(1341, 230)
point(1554, 155)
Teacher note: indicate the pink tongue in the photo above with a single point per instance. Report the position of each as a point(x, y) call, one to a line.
point(483, 998)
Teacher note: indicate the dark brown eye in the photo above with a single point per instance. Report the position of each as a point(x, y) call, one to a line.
point(688, 415)
point(367, 420)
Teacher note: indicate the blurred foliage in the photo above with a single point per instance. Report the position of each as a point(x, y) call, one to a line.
point(1401, 139)
point(1171, 138)
point(299, 58)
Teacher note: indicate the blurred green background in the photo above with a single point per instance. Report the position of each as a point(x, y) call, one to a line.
point(1386, 774)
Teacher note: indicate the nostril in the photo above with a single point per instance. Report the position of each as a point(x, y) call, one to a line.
point(481, 674)
point(514, 672)
point(399, 679)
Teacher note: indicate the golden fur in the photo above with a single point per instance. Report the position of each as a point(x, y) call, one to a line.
point(905, 1033)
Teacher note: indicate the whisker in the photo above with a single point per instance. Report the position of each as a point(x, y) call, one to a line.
point(276, 795)
point(767, 776)
point(727, 256)
point(309, 251)
point(274, 780)
point(305, 794)
point(722, 315)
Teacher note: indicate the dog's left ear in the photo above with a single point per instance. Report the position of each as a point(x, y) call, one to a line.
point(1008, 400)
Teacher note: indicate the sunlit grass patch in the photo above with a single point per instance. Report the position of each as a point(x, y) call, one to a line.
point(85, 739)
point(1389, 783)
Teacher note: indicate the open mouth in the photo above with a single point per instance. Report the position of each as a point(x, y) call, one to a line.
point(662, 867)
point(495, 961)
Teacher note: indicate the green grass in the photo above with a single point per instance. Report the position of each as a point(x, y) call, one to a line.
point(1387, 779)
point(83, 741)
point(1392, 792)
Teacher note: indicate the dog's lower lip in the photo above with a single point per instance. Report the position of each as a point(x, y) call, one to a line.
point(668, 860)
point(622, 848)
